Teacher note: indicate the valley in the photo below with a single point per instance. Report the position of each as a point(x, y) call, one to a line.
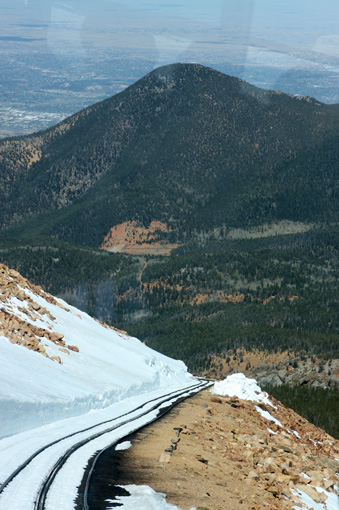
point(196, 212)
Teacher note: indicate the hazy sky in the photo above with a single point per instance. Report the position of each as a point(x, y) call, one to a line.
point(306, 24)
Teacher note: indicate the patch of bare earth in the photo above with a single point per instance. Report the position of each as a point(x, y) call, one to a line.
point(217, 453)
point(217, 296)
point(134, 239)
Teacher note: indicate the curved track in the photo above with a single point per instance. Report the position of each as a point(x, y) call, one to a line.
point(162, 412)
point(113, 424)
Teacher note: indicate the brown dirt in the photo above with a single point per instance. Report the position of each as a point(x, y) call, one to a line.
point(225, 457)
point(217, 296)
point(129, 237)
point(253, 359)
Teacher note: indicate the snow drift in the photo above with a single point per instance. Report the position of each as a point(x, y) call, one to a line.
point(73, 364)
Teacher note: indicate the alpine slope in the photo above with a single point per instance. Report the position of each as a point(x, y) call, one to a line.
point(64, 378)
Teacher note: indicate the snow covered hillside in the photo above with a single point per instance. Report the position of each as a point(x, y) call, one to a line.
point(62, 372)
point(71, 365)
point(65, 378)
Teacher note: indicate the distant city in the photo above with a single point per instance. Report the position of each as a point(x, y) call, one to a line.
point(57, 59)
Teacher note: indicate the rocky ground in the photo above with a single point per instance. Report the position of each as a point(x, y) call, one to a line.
point(217, 453)
point(21, 314)
point(277, 368)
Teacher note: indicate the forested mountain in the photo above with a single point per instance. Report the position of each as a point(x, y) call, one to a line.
point(246, 181)
point(242, 181)
point(185, 145)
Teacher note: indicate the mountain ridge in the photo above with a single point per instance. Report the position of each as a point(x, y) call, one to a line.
point(253, 210)
point(186, 145)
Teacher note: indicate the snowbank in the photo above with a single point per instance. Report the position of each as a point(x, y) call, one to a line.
point(109, 367)
point(238, 385)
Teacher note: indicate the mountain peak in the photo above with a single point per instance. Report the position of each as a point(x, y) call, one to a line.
point(187, 146)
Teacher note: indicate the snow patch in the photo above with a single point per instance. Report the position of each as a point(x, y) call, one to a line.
point(142, 498)
point(295, 433)
point(238, 385)
point(268, 416)
point(331, 502)
point(125, 445)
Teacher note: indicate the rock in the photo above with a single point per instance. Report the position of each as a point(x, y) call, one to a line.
point(273, 379)
point(273, 490)
point(14, 274)
point(216, 399)
point(201, 459)
point(312, 493)
point(66, 351)
point(322, 497)
point(334, 379)
point(21, 295)
point(42, 349)
point(254, 475)
point(315, 475)
point(56, 358)
point(165, 458)
point(73, 348)
point(282, 374)
point(327, 484)
point(269, 465)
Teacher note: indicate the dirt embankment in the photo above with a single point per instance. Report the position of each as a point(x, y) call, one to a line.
point(217, 453)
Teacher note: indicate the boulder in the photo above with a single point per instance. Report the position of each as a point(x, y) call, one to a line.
point(273, 379)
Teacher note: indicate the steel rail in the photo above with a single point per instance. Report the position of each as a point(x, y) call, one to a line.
point(45, 486)
point(85, 505)
point(49, 445)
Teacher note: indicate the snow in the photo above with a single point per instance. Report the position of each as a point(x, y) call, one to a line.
point(143, 498)
point(42, 401)
point(125, 445)
point(240, 386)
point(315, 442)
point(331, 502)
point(295, 433)
point(268, 416)
point(108, 368)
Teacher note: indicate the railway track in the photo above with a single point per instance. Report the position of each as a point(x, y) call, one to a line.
point(133, 420)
